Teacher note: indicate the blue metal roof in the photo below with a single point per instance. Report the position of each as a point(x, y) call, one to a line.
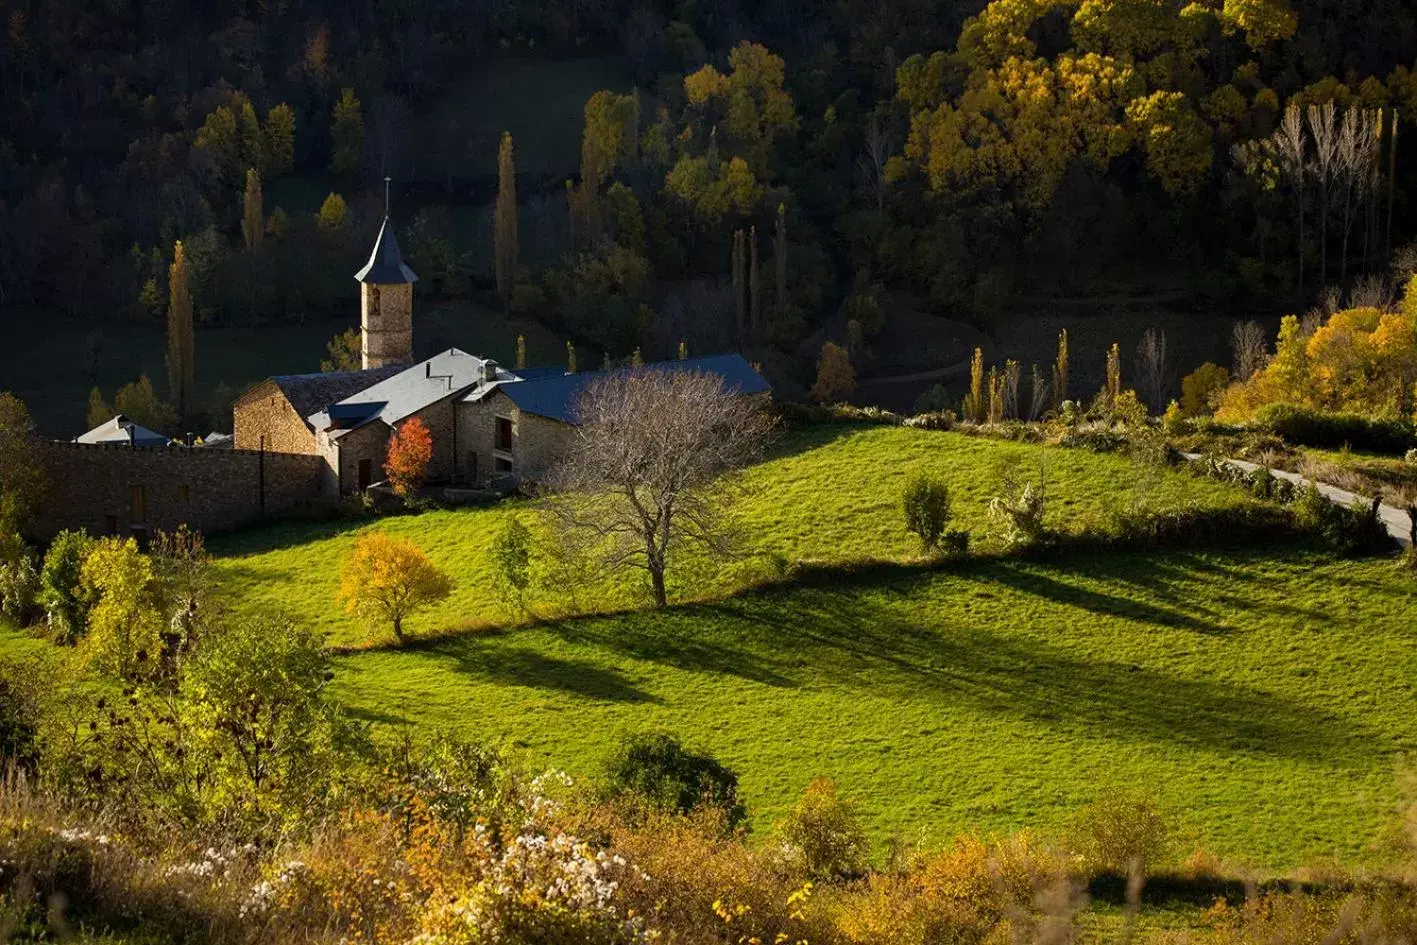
point(385, 265)
point(555, 396)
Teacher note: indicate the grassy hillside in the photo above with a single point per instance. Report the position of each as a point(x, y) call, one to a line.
point(1263, 695)
point(829, 495)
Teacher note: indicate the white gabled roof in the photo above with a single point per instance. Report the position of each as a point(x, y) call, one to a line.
point(444, 375)
point(121, 431)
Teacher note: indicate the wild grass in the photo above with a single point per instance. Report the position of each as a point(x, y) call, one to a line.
point(1263, 694)
point(830, 495)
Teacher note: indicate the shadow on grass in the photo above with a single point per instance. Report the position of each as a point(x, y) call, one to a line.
point(1033, 680)
point(510, 665)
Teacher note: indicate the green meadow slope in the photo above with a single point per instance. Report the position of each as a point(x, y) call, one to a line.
point(828, 495)
point(1264, 694)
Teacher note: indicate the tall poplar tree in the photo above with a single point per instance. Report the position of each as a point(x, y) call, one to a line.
point(181, 343)
point(347, 134)
point(779, 252)
point(505, 248)
point(253, 217)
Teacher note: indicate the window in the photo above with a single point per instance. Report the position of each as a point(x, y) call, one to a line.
point(503, 465)
point(110, 525)
point(138, 502)
point(184, 493)
point(472, 466)
point(504, 434)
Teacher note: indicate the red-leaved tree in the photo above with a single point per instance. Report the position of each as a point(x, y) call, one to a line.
point(410, 451)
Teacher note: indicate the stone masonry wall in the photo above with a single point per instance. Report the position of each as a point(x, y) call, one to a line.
point(265, 411)
point(108, 489)
point(537, 442)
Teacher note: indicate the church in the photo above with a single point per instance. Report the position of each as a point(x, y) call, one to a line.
point(491, 426)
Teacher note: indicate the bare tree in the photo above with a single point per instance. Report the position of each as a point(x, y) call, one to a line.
point(651, 468)
point(1010, 383)
point(1151, 368)
point(1290, 148)
point(1358, 151)
point(1324, 131)
point(1247, 341)
point(1373, 292)
point(1039, 395)
point(878, 144)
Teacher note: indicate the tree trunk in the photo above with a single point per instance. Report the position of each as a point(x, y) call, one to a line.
point(398, 626)
point(656, 577)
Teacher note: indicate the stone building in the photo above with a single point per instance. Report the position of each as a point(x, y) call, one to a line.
point(313, 437)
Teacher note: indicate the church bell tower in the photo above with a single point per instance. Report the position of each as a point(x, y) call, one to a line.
point(386, 300)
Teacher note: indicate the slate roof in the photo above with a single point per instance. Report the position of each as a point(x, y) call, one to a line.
point(450, 373)
point(309, 393)
point(121, 431)
point(386, 265)
point(555, 396)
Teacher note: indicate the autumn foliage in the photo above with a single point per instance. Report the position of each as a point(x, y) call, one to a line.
point(386, 579)
point(410, 451)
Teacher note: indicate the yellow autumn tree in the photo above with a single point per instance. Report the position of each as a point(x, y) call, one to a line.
point(387, 579)
point(836, 379)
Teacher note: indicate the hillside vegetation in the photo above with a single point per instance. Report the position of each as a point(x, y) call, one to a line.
point(831, 494)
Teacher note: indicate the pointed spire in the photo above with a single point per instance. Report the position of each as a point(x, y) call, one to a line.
point(386, 265)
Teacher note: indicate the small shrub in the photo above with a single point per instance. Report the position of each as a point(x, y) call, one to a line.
point(1344, 532)
point(1303, 426)
point(1122, 833)
point(658, 770)
point(1174, 422)
point(823, 835)
point(1410, 457)
point(1200, 388)
point(938, 420)
point(1128, 410)
point(65, 599)
point(1017, 512)
point(927, 510)
point(19, 717)
point(19, 589)
point(955, 542)
point(511, 562)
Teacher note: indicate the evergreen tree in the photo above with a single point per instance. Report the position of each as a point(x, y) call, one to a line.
point(334, 215)
point(779, 258)
point(347, 135)
point(755, 286)
point(740, 298)
point(278, 142)
point(181, 343)
point(504, 222)
point(99, 412)
point(253, 218)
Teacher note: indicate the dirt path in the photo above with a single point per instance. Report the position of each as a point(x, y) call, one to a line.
point(1394, 520)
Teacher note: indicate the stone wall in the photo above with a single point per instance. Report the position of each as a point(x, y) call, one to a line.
point(386, 322)
point(264, 411)
point(537, 442)
point(125, 490)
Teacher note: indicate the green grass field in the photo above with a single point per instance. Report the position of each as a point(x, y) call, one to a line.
point(1264, 694)
point(830, 495)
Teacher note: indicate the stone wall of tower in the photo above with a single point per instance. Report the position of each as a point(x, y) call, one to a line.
point(386, 320)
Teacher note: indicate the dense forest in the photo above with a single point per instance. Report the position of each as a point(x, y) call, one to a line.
point(798, 163)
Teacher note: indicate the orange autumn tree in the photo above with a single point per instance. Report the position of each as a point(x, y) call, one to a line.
point(410, 452)
point(387, 579)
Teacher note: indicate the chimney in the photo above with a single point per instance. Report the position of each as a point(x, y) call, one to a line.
point(489, 371)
